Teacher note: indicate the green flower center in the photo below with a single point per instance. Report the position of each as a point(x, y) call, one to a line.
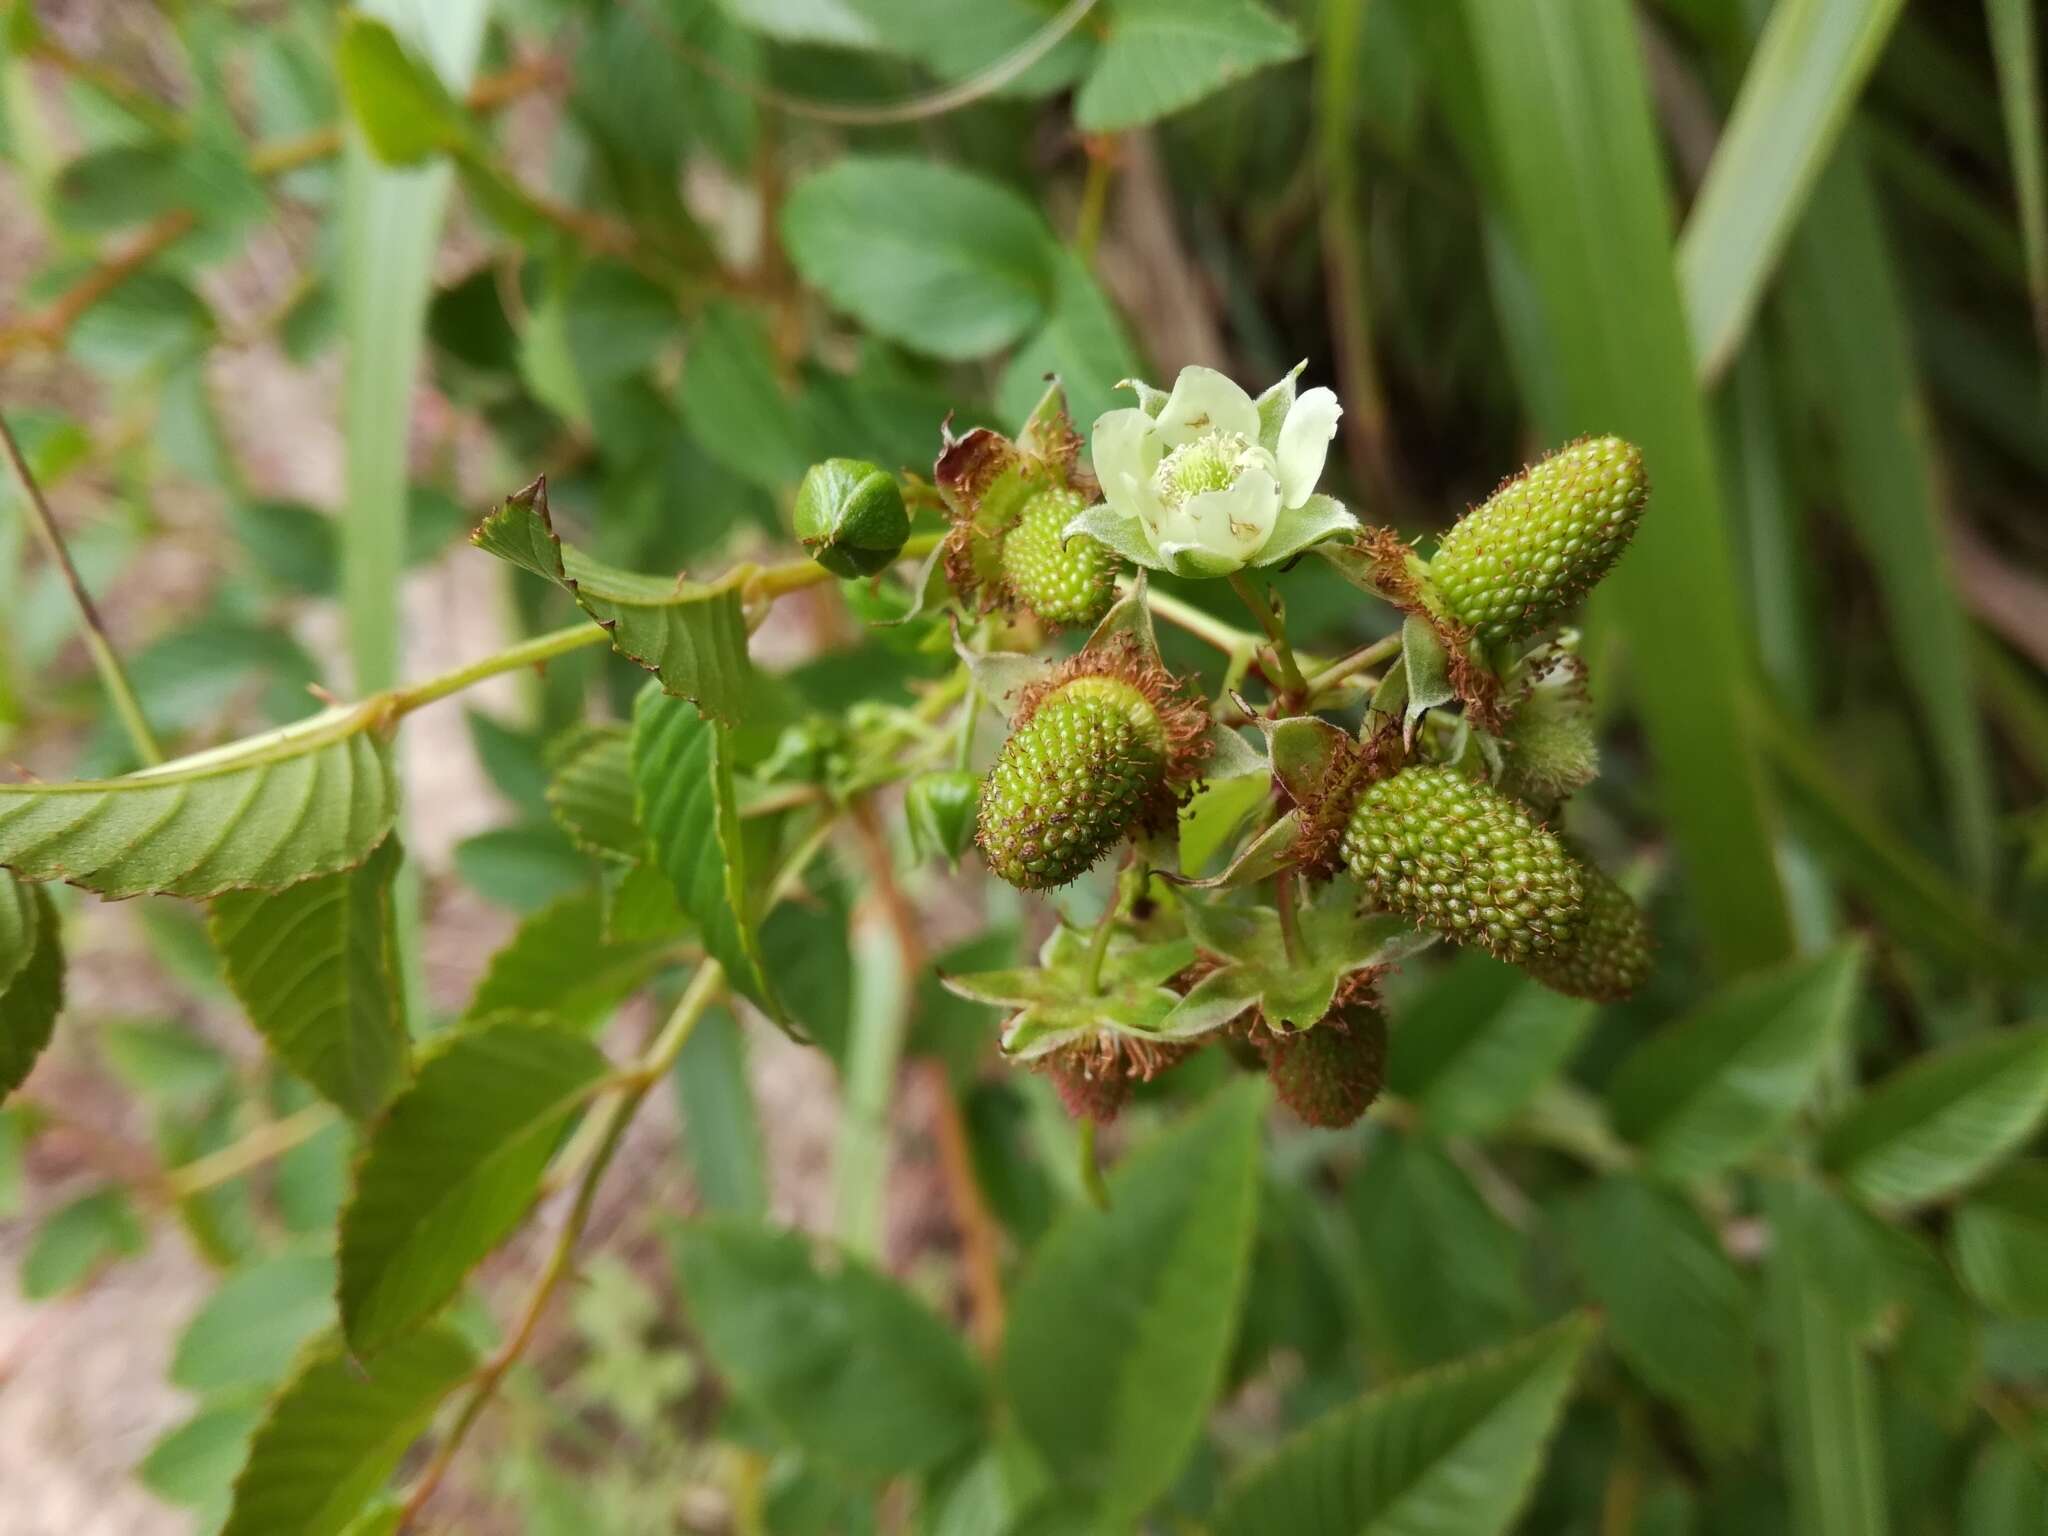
point(1210, 463)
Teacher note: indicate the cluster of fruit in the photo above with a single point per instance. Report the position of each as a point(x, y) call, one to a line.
point(1449, 829)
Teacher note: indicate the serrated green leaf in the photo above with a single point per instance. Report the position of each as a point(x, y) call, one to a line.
point(250, 1330)
point(1797, 91)
point(559, 964)
point(2000, 1241)
point(590, 794)
point(1479, 1043)
point(1442, 1274)
point(32, 965)
point(1935, 1124)
point(1163, 55)
point(452, 1166)
point(263, 814)
point(1450, 1452)
point(691, 635)
point(1119, 1327)
point(76, 1240)
point(1677, 1309)
point(316, 968)
point(1705, 1092)
point(682, 766)
point(399, 102)
point(936, 258)
point(836, 1355)
point(337, 1430)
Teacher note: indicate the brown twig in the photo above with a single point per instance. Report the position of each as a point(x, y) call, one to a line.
point(113, 676)
point(48, 327)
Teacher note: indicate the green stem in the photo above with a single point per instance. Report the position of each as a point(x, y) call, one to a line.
point(528, 653)
point(1091, 1168)
point(1128, 883)
point(1276, 631)
point(653, 1065)
point(1206, 627)
point(773, 581)
point(1384, 649)
point(113, 676)
point(1094, 199)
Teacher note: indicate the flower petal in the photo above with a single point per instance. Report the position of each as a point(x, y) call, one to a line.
point(1236, 521)
point(1122, 533)
point(1305, 442)
point(1126, 450)
point(1296, 528)
point(1204, 401)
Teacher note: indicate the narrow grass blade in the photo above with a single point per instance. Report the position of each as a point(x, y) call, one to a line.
point(1577, 160)
point(1848, 328)
point(2016, 49)
point(1808, 68)
point(391, 227)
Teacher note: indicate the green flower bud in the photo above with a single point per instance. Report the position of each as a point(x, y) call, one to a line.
point(1540, 542)
point(1329, 1073)
point(850, 516)
point(1465, 860)
point(1071, 781)
point(1548, 747)
point(941, 810)
point(1064, 581)
point(1613, 954)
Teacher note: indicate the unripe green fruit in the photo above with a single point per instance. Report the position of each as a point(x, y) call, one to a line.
point(850, 516)
point(1329, 1074)
point(1465, 860)
point(940, 808)
point(1536, 546)
point(1613, 954)
point(1063, 581)
point(1087, 766)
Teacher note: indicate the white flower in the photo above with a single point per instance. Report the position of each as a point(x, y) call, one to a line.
point(1207, 480)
